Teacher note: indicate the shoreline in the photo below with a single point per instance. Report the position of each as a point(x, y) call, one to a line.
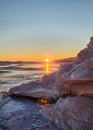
point(70, 89)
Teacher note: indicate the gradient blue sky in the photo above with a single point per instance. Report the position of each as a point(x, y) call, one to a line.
point(35, 29)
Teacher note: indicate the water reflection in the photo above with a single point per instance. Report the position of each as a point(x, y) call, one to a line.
point(47, 68)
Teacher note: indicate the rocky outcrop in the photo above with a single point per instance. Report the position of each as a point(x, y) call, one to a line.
point(78, 81)
point(86, 52)
point(72, 113)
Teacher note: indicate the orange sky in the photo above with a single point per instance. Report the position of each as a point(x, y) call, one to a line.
point(30, 57)
point(35, 29)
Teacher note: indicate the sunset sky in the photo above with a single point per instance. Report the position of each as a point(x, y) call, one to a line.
point(32, 30)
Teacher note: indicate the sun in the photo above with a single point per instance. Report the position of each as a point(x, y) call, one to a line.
point(47, 60)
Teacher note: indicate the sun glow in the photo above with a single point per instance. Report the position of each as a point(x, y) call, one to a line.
point(47, 60)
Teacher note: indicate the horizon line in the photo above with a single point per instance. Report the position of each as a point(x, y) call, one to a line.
point(37, 60)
